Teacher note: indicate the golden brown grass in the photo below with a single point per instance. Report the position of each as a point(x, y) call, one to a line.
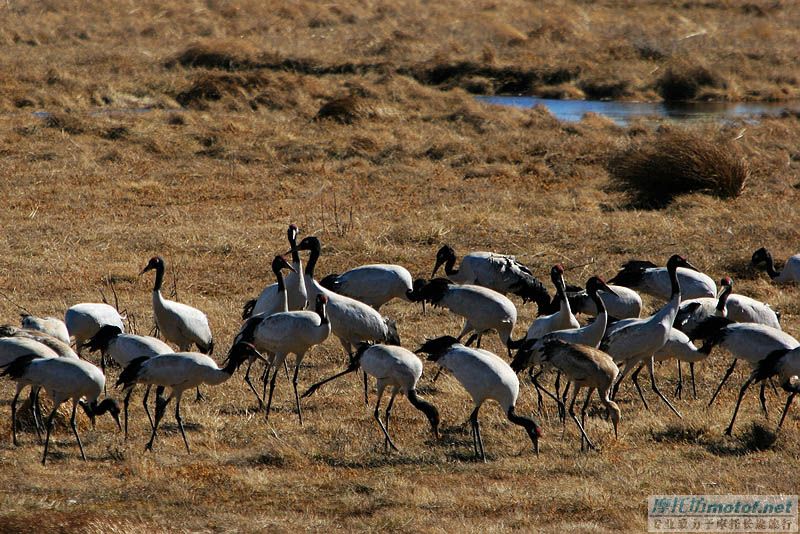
point(90, 197)
point(675, 163)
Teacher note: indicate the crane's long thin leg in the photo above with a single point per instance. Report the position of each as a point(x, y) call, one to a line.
point(478, 441)
point(179, 419)
point(535, 380)
point(146, 409)
point(478, 344)
point(694, 387)
point(742, 391)
point(575, 418)
point(539, 398)
point(75, 428)
point(14, 415)
point(635, 380)
point(366, 389)
point(621, 376)
point(438, 372)
point(762, 396)
point(125, 404)
point(286, 369)
point(558, 383)
point(679, 387)
point(651, 365)
point(251, 386)
point(199, 397)
point(37, 412)
point(377, 415)
point(294, 384)
point(271, 390)
point(728, 373)
point(389, 413)
point(161, 407)
point(786, 409)
point(583, 411)
point(49, 429)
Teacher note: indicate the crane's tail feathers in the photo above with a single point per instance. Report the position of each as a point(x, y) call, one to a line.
point(17, 368)
point(331, 282)
point(130, 374)
point(392, 336)
point(712, 330)
point(247, 309)
point(530, 288)
point(768, 367)
point(515, 344)
point(437, 347)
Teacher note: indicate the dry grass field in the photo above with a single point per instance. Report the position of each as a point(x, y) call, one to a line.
point(357, 123)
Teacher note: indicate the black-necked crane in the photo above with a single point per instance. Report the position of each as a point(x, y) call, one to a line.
point(620, 303)
point(745, 341)
point(286, 333)
point(271, 298)
point(484, 376)
point(647, 277)
point(393, 367)
point(49, 325)
point(123, 349)
point(679, 347)
point(638, 341)
point(12, 348)
point(789, 273)
point(583, 366)
point(590, 335)
point(180, 371)
point(65, 379)
point(275, 297)
point(352, 321)
point(374, 284)
point(62, 349)
point(783, 363)
point(85, 319)
point(499, 272)
point(563, 319)
point(483, 309)
point(177, 322)
point(737, 308)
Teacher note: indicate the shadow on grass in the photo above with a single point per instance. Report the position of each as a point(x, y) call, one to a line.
point(259, 460)
point(755, 438)
point(392, 459)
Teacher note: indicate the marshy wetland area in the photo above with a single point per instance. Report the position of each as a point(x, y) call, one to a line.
point(199, 130)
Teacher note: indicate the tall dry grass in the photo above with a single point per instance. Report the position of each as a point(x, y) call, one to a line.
point(654, 172)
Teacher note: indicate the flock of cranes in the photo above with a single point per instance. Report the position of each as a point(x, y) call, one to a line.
point(297, 313)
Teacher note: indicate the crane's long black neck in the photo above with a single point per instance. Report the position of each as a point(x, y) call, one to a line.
point(312, 261)
point(425, 407)
point(771, 270)
point(530, 426)
point(449, 266)
point(598, 302)
point(293, 245)
point(159, 277)
point(322, 312)
point(673, 279)
point(723, 299)
point(279, 277)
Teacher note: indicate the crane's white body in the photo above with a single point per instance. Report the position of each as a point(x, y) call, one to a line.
point(753, 342)
point(482, 308)
point(488, 269)
point(65, 378)
point(392, 366)
point(790, 272)
point(563, 319)
point(271, 301)
point(125, 348)
point(625, 304)
point(351, 320)
point(180, 371)
point(637, 339)
point(85, 319)
point(12, 348)
point(48, 325)
point(181, 324)
point(287, 333)
point(655, 281)
point(375, 284)
point(680, 347)
point(62, 349)
point(484, 375)
point(738, 308)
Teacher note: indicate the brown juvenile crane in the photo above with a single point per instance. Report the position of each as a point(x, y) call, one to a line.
point(584, 367)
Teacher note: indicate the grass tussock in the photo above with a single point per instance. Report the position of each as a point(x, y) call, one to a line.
point(654, 172)
point(684, 81)
point(215, 54)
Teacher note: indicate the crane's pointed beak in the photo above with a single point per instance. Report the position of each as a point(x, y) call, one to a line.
point(688, 265)
point(289, 266)
point(436, 267)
